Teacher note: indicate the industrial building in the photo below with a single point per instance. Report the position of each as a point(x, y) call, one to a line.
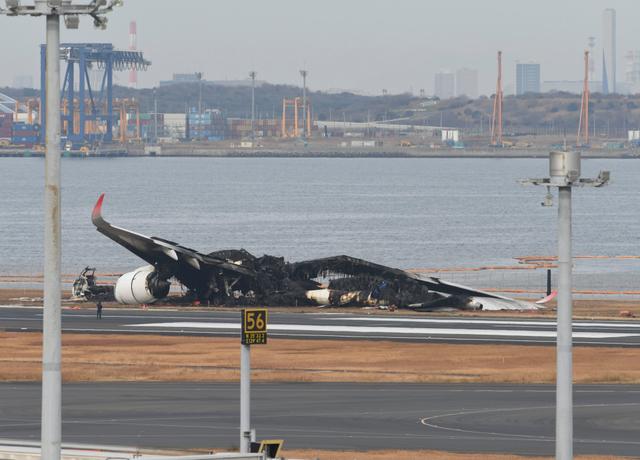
point(527, 78)
point(179, 78)
point(197, 77)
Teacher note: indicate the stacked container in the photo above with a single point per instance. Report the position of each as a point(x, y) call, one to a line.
point(240, 128)
point(209, 126)
point(6, 124)
point(25, 134)
point(147, 125)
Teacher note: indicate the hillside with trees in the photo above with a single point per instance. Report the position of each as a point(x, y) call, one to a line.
point(549, 113)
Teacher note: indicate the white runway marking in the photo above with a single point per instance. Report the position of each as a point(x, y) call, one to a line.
point(390, 330)
point(487, 321)
point(428, 422)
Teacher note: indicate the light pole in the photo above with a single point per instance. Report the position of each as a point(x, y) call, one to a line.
point(564, 171)
point(155, 117)
point(304, 74)
point(51, 432)
point(253, 75)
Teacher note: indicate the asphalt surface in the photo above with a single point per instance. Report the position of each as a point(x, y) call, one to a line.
point(331, 325)
point(464, 418)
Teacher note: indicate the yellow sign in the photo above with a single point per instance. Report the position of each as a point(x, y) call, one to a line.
point(254, 326)
point(271, 447)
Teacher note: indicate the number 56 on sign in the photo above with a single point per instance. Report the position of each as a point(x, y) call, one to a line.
point(254, 326)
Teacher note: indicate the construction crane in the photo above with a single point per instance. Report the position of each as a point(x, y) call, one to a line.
point(129, 110)
point(10, 105)
point(89, 115)
point(496, 117)
point(583, 125)
point(296, 105)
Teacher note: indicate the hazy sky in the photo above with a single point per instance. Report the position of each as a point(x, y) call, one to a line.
point(364, 45)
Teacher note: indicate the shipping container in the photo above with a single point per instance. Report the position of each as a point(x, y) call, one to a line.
point(6, 119)
point(26, 127)
point(175, 116)
point(25, 133)
point(22, 140)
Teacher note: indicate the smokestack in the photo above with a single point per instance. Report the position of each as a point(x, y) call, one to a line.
point(133, 46)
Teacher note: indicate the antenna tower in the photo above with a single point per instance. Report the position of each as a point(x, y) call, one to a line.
point(583, 127)
point(496, 117)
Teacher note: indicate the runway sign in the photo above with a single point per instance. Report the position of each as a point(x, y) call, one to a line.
point(254, 326)
point(271, 447)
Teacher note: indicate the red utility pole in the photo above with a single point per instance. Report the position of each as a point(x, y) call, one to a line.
point(496, 118)
point(583, 126)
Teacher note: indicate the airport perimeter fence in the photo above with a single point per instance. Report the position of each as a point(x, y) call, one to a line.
point(593, 277)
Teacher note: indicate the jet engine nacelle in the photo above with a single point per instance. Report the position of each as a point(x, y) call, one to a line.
point(142, 285)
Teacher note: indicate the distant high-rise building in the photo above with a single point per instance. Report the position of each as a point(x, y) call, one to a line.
point(527, 78)
point(467, 83)
point(444, 85)
point(632, 71)
point(609, 51)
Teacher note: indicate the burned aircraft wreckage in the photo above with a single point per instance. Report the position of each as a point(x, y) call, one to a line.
point(236, 277)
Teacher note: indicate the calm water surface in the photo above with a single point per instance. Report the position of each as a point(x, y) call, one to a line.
point(401, 212)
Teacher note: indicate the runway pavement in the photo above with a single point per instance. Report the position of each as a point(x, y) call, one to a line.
point(331, 325)
point(465, 418)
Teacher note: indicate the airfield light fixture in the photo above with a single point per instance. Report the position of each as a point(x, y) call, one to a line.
point(564, 172)
point(51, 434)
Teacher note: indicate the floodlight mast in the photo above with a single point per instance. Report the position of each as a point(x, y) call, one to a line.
point(564, 171)
point(51, 429)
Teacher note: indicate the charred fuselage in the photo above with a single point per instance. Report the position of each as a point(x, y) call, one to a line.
point(236, 277)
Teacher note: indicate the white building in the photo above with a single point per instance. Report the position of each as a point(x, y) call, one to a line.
point(175, 125)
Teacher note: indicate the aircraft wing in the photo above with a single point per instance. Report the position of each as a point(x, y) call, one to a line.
point(160, 252)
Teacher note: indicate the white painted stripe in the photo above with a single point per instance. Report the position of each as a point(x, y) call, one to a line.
point(390, 330)
point(21, 306)
point(486, 321)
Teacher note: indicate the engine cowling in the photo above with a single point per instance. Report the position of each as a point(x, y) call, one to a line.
point(142, 285)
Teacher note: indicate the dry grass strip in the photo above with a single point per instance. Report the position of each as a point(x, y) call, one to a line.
point(103, 357)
